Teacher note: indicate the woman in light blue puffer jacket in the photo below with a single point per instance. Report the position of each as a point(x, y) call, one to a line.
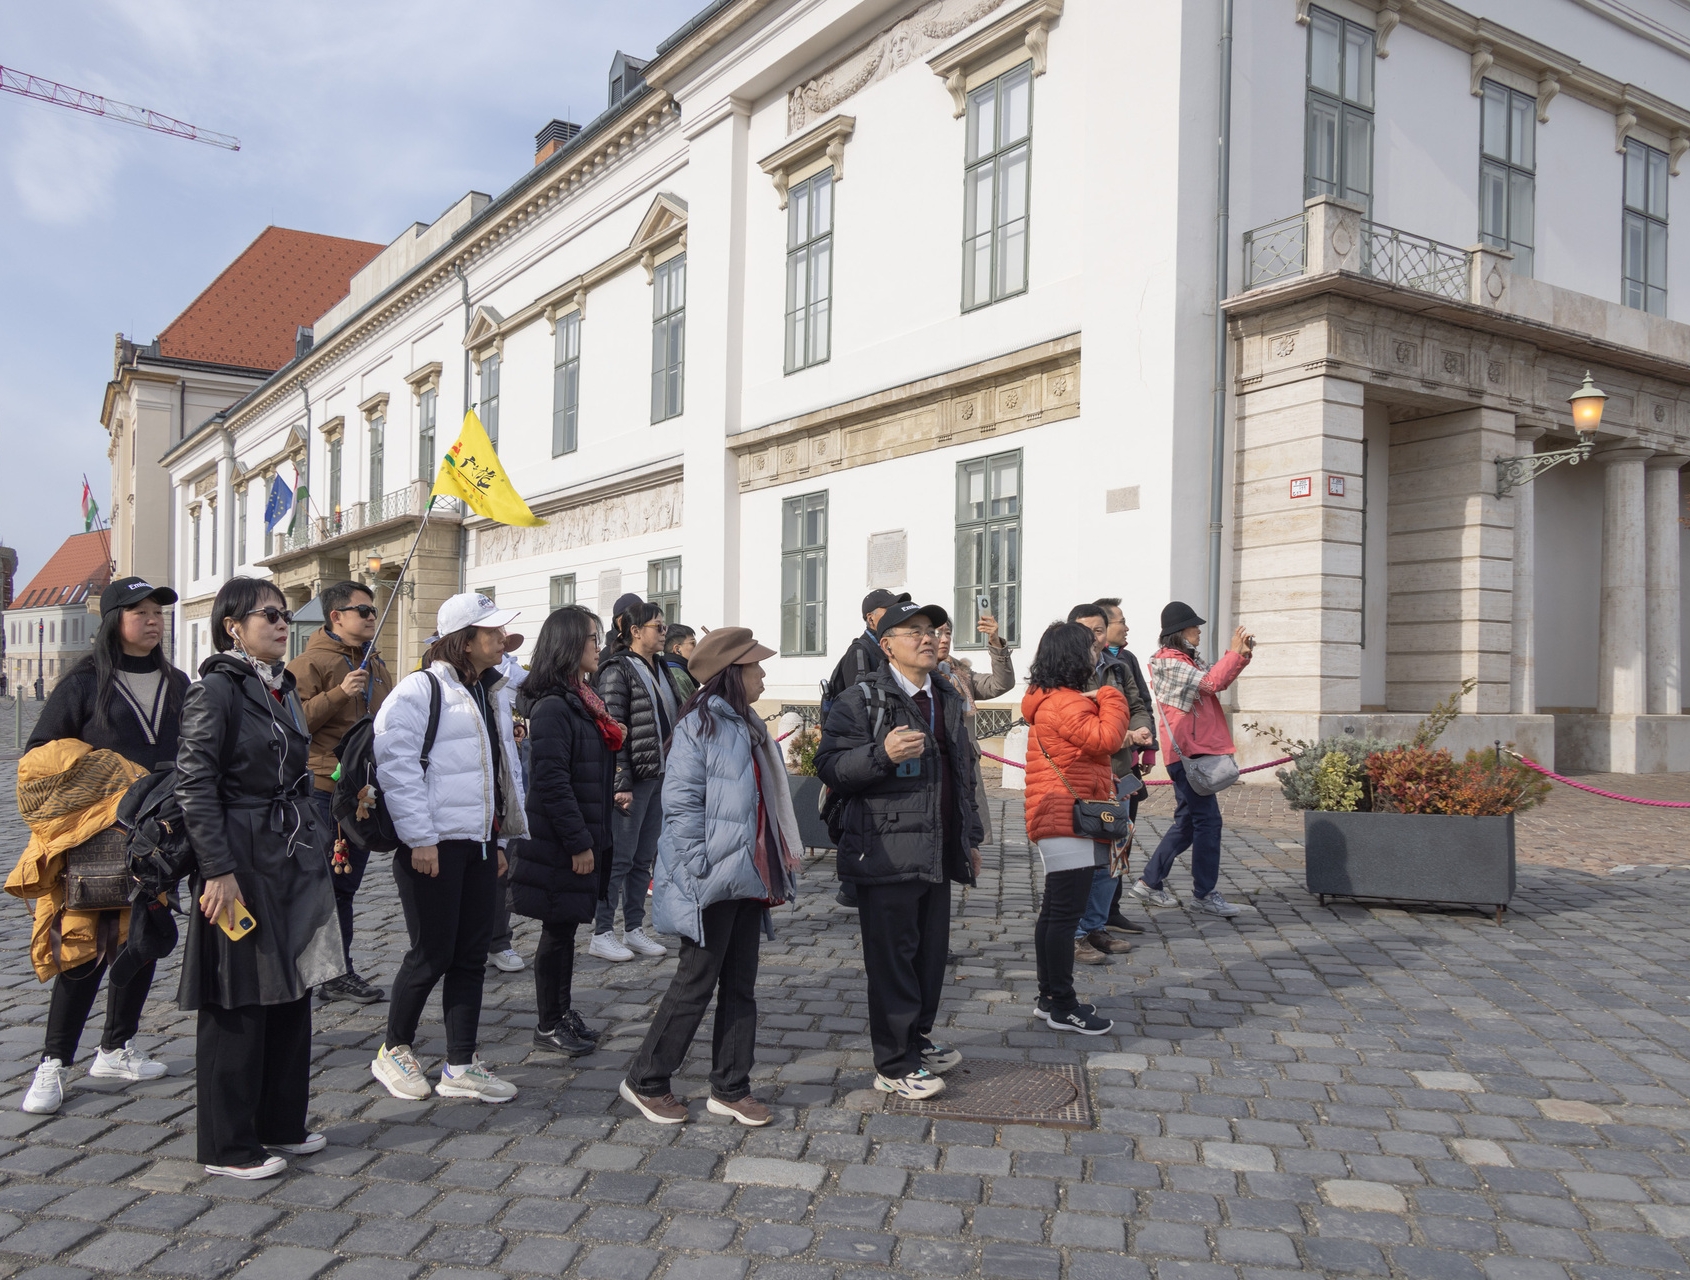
point(728, 852)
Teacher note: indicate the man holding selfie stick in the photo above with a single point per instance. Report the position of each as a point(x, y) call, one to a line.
point(895, 750)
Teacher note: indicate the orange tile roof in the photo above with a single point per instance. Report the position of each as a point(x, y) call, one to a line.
point(78, 569)
point(249, 314)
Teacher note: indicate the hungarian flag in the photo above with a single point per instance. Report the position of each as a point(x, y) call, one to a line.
point(90, 509)
point(472, 472)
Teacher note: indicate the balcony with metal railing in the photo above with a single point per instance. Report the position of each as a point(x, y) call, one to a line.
point(412, 500)
point(1332, 235)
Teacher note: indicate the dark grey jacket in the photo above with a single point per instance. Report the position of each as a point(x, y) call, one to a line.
point(629, 703)
point(1121, 672)
point(893, 829)
point(246, 799)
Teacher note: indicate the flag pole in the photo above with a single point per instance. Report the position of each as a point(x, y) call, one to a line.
point(393, 594)
point(99, 520)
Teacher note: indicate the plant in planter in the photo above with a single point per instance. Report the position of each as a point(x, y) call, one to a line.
point(801, 750)
point(1422, 780)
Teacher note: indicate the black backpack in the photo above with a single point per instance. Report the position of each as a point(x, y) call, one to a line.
point(359, 805)
point(159, 853)
point(830, 805)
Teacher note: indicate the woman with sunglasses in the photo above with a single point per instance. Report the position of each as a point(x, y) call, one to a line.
point(640, 695)
point(243, 778)
point(451, 815)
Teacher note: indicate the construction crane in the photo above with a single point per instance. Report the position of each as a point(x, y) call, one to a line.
point(62, 95)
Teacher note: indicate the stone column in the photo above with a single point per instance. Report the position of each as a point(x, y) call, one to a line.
point(1661, 503)
point(1620, 688)
point(1522, 697)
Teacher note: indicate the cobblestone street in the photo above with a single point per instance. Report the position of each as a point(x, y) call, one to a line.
point(1341, 1090)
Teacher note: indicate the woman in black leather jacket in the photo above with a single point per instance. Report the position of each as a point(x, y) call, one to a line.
point(561, 872)
point(639, 695)
point(244, 782)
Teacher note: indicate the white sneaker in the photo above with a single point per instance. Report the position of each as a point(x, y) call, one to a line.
point(507, 961)
point(313, 1143)
point(399, 1070)
point(47, 1091)
point(474, 1081)
point(639, 940)
point(606, 947)
point(920, 1083)
point(127, 1063)
point(1153, 897)
point(249, 1172)
point(1215, 905)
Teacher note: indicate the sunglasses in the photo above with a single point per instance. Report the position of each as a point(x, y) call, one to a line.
point(273, 615)
point(365, 611)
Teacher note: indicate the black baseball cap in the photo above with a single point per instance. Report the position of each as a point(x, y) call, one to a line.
point(881, 598)
point(126, 593)
point(624, 602)
point(903, 610)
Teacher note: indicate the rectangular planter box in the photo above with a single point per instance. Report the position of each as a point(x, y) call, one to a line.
point(806, 792)
point(1410, 857)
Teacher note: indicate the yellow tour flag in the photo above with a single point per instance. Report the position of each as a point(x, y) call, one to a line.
point(472, 471)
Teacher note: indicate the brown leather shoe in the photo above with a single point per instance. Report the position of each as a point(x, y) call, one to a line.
point(1085, 953)
point(1101, 941)
point(666, 1109)
point(747, 1110)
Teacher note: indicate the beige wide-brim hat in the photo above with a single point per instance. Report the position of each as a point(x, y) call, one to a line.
point(723, 648)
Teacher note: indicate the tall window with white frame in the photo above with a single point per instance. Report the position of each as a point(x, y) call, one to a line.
point(334, 484)
point(562, 591)
point(240, 525)
point(1508, 172)
point(996, 187)
point(988, 546)
point(663, 586)
point(378, 459)
point(488, 408)
point(1644, 270)
point(566, 384)
point(212, 511)
point(803, 574)
point(668, 337)
point(1338, 160)
point(809, 271)
point(426, 405)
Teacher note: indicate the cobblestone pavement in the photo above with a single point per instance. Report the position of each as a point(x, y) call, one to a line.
point(1341, 1090)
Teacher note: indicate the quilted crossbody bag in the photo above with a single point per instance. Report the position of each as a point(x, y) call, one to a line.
point(1093, 819)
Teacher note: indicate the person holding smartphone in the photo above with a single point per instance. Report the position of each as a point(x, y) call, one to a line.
point(972, 685)
point(243, 779)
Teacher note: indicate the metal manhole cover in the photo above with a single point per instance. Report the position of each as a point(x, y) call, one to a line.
point(1008, 1093)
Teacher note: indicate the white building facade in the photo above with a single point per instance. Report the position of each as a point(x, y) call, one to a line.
point(816, 307)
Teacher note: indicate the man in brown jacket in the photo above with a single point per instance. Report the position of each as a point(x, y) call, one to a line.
point(338, 688)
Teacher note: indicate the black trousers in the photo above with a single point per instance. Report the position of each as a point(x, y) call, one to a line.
point(554, 973)
point(345, 886)
point(501, 937)
point(73, 1000)
point(252, 1071)
point(450, 921)
point(1066, 893)
point(906, 930)
point(727, 965)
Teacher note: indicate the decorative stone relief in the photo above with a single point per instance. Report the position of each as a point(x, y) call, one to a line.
point(1493, 371)
point(1285, 345)
point(595, 521)
point(891, 50)
point(1455, 364)
point(1407, 353)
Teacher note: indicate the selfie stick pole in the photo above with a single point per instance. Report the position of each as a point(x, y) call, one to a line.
point(393, 594)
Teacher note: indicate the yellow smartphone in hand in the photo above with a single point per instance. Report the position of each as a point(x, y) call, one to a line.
point(237, 922)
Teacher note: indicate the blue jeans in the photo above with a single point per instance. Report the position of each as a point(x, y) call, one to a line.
point(1097, 902)
point(1196, 826)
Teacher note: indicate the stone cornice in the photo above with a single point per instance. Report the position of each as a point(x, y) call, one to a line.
point(1027, 27)
point(425, 378)
point(827, 140)
point(644, 119)
point(333, 428)
point(376, 404)
point(1027, 388)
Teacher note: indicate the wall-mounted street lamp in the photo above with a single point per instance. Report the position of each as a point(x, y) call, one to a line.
point(1587, 404)
point(405, 587)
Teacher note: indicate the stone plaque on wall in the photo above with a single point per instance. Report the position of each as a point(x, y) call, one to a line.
point(888, 559)
point(610, 586)
point(1120, 499)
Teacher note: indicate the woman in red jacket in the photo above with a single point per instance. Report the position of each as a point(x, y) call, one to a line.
point(1071, 737)
point(1184, 690)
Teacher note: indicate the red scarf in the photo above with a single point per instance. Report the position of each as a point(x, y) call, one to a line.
point(612, 733)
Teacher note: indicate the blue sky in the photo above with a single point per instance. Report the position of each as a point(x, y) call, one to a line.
point(355, 119)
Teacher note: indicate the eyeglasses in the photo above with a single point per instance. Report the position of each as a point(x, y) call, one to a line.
point(365, 611)
point(273, 615)
point(662, 627)
point(923, 633)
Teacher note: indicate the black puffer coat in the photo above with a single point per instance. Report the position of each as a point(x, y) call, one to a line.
point(570, 797)
point(246, 797)
point(628, 700)
point(893, 827)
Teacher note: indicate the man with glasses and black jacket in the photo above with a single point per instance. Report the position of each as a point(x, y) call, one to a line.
point(339, 681)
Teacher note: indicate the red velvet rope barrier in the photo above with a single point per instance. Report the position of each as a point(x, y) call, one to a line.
point(1597, 791)
point(1164, 782)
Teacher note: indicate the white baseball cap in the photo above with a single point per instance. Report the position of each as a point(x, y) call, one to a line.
point(472, 609)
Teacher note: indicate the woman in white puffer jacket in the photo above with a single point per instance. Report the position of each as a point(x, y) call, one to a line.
point(450, 814)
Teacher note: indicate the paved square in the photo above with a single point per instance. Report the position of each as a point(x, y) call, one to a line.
point(1343, 1091)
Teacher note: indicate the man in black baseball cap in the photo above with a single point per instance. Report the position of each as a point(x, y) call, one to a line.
point(126, 593)
point(895, 748)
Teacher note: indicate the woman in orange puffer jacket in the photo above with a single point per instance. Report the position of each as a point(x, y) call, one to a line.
point(1071, 738)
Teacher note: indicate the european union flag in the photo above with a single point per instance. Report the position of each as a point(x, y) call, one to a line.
point(278, 504)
